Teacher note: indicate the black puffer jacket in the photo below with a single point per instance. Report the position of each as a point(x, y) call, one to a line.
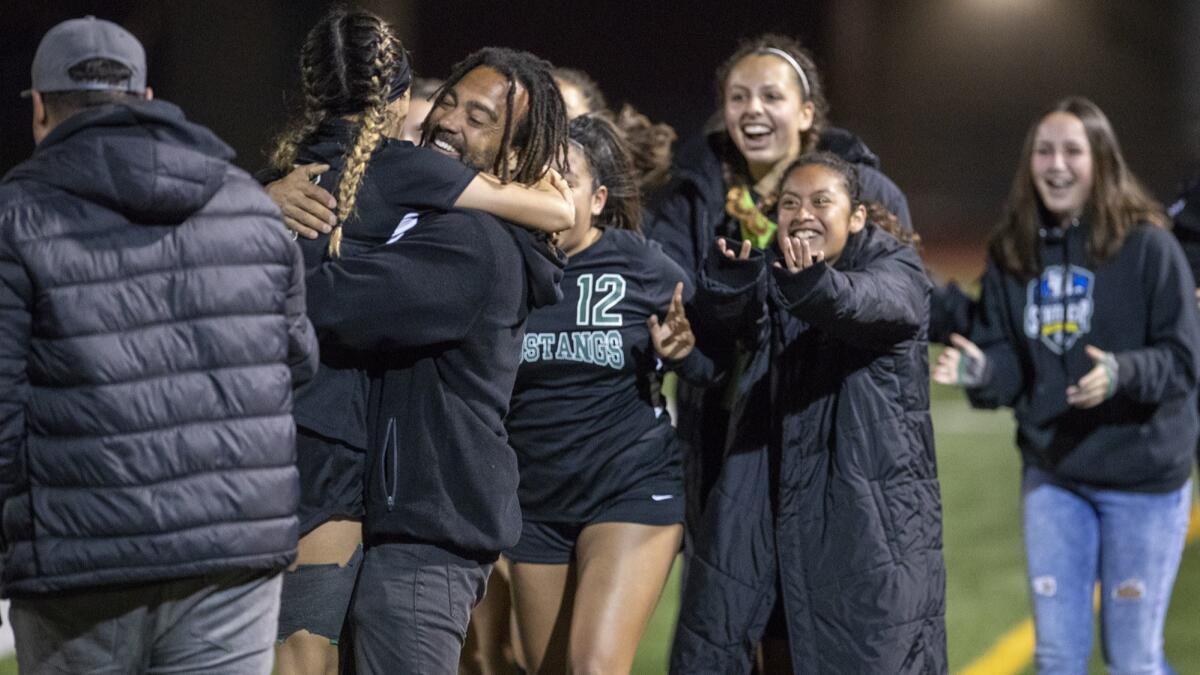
point(829, 487)
point(691, 215)
point(151, 329)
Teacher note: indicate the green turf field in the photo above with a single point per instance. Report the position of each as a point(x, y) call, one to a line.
point(986, 595)
point(986, 586)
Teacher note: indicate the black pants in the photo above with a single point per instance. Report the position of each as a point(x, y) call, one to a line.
point(411, 609)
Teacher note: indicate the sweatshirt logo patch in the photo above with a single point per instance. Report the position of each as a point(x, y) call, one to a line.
point(1058, 307)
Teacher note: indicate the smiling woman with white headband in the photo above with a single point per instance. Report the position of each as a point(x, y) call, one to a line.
point(771, 109)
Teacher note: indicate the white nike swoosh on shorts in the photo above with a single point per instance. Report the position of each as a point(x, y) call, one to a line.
point(661, 498)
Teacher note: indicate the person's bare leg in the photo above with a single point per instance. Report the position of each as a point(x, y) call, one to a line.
point(542, 598)
point(302, 653)
point(490, 630)
point(622, 569)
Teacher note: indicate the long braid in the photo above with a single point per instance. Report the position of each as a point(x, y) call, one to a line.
point(370, 132)
point(347, 66)
point(283, 156)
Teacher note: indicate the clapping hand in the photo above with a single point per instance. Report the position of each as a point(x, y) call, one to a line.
point(798, 255)
point(1099, 384)
point(963, 364)
point(743, 254)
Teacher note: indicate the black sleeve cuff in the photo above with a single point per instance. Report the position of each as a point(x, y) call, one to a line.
point(795, 288)
point(733, 277)
point(268, 175)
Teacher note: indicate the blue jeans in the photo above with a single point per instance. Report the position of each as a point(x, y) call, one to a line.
point(1131, 542)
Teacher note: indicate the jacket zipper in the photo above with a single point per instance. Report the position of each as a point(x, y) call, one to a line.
point(389, 448)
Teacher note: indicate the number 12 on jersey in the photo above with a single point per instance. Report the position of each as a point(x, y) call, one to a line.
point(601, 313)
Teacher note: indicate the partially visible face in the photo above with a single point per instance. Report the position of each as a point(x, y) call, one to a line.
point(573, 98)
point(42, 124)
point(764, 111)
point(467, 122)
point(589, 201)
point(814, 206)
point(1062, 165)
point(397, 117)
point(418, 110)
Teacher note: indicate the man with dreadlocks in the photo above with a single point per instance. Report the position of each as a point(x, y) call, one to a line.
point(441, 312)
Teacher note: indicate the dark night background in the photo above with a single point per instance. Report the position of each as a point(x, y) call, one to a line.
point(942, 90)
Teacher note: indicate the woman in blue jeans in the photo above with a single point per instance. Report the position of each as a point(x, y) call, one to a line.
point(1088, 329)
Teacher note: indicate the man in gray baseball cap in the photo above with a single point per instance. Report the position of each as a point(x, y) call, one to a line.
point(83, 63)
point(152, 328)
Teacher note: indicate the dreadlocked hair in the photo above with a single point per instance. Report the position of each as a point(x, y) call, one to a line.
point(540, 135)
point(649, 147)
point(733, 165)
point(876, 213)
point(608, 161)
point(346, 68)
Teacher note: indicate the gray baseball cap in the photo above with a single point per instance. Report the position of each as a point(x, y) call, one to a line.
point(76, 40)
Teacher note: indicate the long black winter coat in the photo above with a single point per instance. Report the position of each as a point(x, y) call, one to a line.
point(151, 330)
point(829, 490)
point(690, 216)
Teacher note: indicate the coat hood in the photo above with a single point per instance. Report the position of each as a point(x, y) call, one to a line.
point(700, 158)
point(144, 160)
point(544, 265)
point(847, 146)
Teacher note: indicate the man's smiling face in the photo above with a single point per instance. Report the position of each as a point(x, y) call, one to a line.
point(467, 121)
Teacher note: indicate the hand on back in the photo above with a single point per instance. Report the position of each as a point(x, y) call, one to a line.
point(308, 209)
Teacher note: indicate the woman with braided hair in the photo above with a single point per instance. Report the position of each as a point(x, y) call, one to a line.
point(356, 78)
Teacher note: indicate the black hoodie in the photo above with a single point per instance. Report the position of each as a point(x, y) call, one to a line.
point(151, 327)
point(444, 310)
point(1139, 305)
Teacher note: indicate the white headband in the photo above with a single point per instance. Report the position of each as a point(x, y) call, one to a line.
point(791, 60)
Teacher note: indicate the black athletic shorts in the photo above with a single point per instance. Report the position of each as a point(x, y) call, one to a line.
point(649, 503)
point(316, 598)
point(331, 479)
